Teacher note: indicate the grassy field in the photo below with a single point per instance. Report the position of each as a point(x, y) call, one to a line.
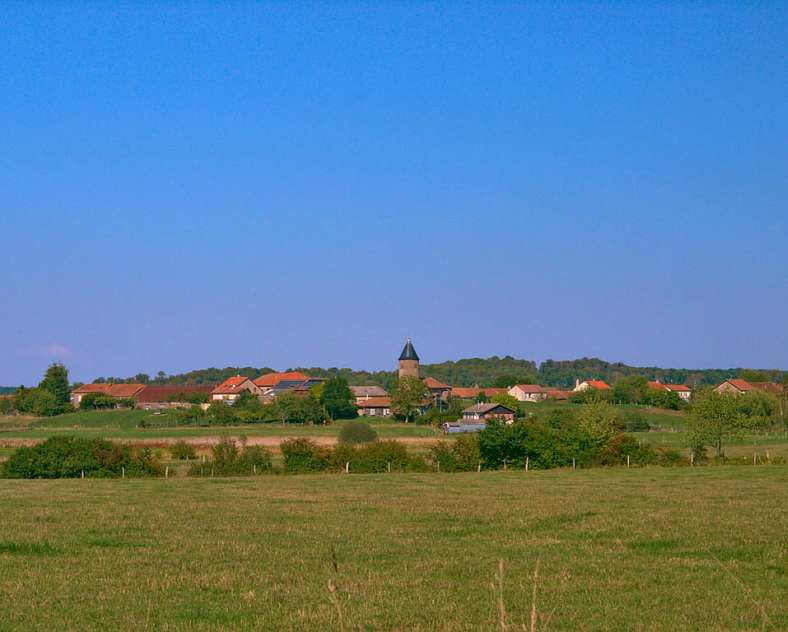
point(654, 549)
point(124, 424)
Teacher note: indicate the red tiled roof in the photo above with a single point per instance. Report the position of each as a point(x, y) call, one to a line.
point(557, 393)
point(495, 391)
point(431, 382)
point(681, 388)
point(530, 388)
point(767, 387)
point(273, 379)
point(742, 385)
point(657, 386)
point(600, 385)
point(374, 402)
point(157, 394)
point(230, 385)
point(113, 390)
point(464, 392)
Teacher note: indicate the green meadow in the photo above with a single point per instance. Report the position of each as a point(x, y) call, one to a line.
point(607, 549)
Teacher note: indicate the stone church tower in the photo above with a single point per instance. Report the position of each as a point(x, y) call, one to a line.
point(408, 361)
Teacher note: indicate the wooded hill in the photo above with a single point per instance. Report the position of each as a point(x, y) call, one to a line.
point(492, 371)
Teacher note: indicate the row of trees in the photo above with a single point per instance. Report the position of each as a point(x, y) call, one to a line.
point(51, 396)
point(494, 371)
point(631, 390)
point(715, 418)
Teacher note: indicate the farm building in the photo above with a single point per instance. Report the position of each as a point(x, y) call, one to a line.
point(737, 386)
point(480, 412)
point(116, 391)
point(371, 406)
point(231, 389)
point(528, 392)
point(154, 397)
point(599, 385)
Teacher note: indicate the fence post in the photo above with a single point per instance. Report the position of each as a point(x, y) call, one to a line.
point(83, 474)
point(254, 468)
point(754, 457)
point(768, 456)
point(438, 464)
point(573, 462)
point(388, 467)
point(167, 472)
point(692, 459)
point(212, 471)
point(123, 472)
point(347, 467)
point(479, 467)
point(527, 462)
point(627, 460)
point(504, 465)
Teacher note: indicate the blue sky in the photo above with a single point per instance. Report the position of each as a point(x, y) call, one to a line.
point(213, 184)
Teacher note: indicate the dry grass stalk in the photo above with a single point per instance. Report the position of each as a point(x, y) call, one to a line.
point(497, 587)
point(765, 617)
point(332, 589)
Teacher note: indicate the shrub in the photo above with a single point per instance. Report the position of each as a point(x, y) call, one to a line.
point(379, 456)
point(182, 451)
point(69, 457)
point(190, 416)
point(222, 414)
point(96, 401)
point(6, 406)
point(357, 432)
point(303, 455)
point(632, 421)
point(462, 455)
point(38, 402)
point(621, 446)
point(671, 458)
point(228, 460)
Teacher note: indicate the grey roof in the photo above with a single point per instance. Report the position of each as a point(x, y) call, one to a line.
point(485, 408)
point(373, 390)
point(409, 353)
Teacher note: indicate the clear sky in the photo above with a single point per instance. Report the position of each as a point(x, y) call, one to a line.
point(185, 185)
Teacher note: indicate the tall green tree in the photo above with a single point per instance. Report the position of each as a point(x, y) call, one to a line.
point(56, 382)
point(337, 398)
point(713, 417)
point(407, 397)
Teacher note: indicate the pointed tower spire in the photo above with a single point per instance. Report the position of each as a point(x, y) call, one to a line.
point(408, 361)
point(408, 352)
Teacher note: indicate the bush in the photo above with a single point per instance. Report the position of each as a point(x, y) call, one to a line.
point(632, 421)
point(621, 446)
point(69, 457)
point(38, 402)
point(228, 460)
point(221, 414)
point(190, 416)
point(354, 432)
point(182, 451)
point(6, 406)
point(462, 455)
point(303, 456)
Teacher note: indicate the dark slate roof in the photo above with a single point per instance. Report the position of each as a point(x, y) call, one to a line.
point(409, 353)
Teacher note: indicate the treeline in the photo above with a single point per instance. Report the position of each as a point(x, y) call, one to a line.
point(494, 371)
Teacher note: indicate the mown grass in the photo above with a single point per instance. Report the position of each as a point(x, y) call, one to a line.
point(653, 549)
point(124, 424)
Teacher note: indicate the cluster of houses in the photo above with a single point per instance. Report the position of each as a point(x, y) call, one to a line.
point(151, 397)
point(373, 400)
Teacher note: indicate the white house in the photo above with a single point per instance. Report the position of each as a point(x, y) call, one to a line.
point(528, 392)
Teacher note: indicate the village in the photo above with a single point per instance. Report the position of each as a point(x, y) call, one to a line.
point(373, 401)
